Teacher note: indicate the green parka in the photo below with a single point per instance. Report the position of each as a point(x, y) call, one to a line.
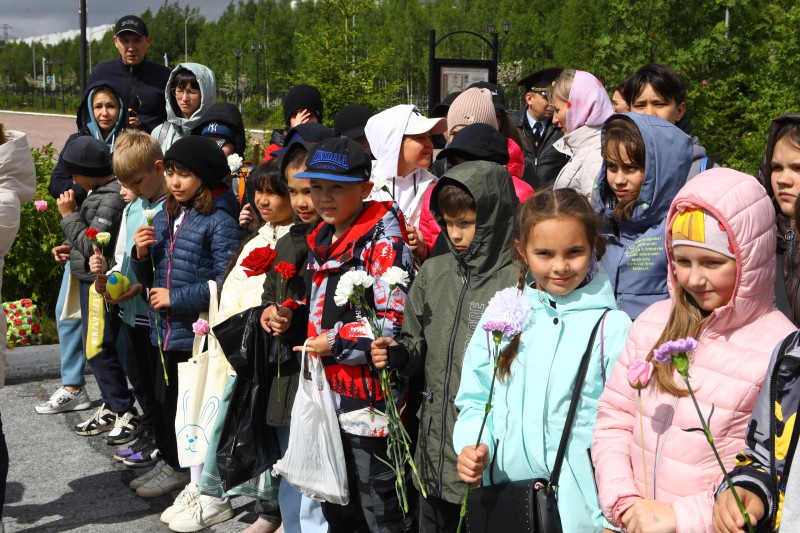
point(443, 308)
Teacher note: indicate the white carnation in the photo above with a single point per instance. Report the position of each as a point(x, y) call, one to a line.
point(395, 276)
point(379, 182)
point(150, 215)
point(235, 162)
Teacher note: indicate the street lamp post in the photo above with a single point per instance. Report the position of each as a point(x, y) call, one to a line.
point(44, 78)
point(493, 31)
point(61, 69)
point(50, 85)
point(257, 49)
point(5, 82)
point(186, 36)
point(238, 55)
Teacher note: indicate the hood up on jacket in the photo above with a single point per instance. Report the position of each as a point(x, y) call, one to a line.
point(384, 132)
point(588, 104)
point(229, 115)
point(86, 122)
point(741, 205)
point(208, 95)
point(496, 204)
point(668, 156)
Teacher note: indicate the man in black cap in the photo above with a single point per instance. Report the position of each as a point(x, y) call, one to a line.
point(542, 161)
point(142, 81)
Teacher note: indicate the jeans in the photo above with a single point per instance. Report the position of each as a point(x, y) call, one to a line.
point(69, 339)
point(299, 514)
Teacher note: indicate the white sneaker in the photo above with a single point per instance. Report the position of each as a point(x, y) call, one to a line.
point(147, 476)
point(163, 483)
point(204, 512)
point(63, 400)
point(188, 495)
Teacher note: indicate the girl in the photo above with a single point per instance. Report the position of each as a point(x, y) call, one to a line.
point(190, 91)
point(558, 247)
point(191, 241)
point(645, 162)
point(720, 240)
point(580, 107)
point(780, 176)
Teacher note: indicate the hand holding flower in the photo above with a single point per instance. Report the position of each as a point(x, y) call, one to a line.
point(159, 298)
point(472, 462)
point(276, 320)
point(97, 262)
point(726, 515)
point(143, 238)
point(380, 353)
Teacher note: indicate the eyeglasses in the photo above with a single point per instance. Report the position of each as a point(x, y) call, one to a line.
point(180, 93)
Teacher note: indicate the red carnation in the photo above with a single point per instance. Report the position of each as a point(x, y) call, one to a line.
point(291, 304)
point(259, 261)
point(286, 270)
point(91, 234)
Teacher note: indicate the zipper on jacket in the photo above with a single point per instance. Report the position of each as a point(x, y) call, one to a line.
point(170, 249)
point(447, 375)
point(773, 397)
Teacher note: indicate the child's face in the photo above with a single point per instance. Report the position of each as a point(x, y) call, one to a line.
point(708, 277)
point(460, 229)
point(339, 203)
point(225, 145)
point(188, 99)
point(558, 254)
point(127, 195)
point(105, 108)
point(274, 208)
point(623, 177)
point(183, 186)
point(560, 114)
point(300, 195)
point(649, 102)
point(785, 175)
point(619, 103)
point(149, 184)
point(415, 152)
point(87, 183)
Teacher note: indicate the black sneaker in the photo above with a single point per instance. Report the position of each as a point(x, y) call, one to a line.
point(136, 446)
point(102, 419)
point(126, 427)
point(147, 456)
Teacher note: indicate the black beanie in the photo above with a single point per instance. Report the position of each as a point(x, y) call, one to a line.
point(302, 97)
point(202, 156)
point(87, 156)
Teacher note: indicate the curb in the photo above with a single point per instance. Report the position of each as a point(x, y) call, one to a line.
point(31, 363)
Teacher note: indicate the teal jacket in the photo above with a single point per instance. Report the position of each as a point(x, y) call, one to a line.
point(530, 406)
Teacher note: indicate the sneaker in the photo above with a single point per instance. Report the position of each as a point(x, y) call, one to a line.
point(147, 476)
point(126, 428)
point(135, 447)
point(63, 400)
point(146, 456)
point(102, 419)
point(204, 512)
point(164, 482)
point(188, 495)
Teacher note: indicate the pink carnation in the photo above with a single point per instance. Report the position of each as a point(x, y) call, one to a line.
point(201, 327)
point(40, 205)
point(639, 373)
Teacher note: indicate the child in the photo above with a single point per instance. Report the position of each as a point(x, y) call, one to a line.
point(580, 107)
point(645, 162)
point(89, 162)
point(354, 235)
point(101, 115)
point(399, 138)
point(780, 176)
point(559, 248)
point(301, 105)
point(139, 166)
point(191, 241)
point(473, 203)
point(271, 200)
point(720, 243)
point(191, 90)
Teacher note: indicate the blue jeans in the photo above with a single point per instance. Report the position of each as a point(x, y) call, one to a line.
point(299, 513)
point(69, 340)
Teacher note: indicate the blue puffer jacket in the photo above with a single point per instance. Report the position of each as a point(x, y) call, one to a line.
point(635, 258)
point(185, 259)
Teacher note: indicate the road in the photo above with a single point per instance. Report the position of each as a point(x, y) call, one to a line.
point(40, 128)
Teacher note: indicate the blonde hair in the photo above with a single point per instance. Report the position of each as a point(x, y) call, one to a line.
point(563, 85)
point(135, 152)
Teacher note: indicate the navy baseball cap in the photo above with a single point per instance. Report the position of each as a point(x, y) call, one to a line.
point(337, 159)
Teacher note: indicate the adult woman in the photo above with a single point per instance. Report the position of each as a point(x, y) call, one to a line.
point(191, 90)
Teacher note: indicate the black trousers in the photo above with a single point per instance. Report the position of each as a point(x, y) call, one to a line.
point(438, 516)
point(166, 398)
point(3, 467)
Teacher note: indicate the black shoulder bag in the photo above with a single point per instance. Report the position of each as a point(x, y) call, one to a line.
point(528, 506)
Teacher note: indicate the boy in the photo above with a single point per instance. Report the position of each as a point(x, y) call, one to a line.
point(474, 204)
point(400, 140)
point(89, 162)
point(139, 166)
point(354, 235)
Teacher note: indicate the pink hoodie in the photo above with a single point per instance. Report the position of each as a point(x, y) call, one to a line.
point(727, 370)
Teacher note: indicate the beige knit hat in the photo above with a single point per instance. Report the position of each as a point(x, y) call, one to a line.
point(473, 106)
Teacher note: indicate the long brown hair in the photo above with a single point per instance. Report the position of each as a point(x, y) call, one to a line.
point(619, 133)
point(203, 201)
point(545, 205)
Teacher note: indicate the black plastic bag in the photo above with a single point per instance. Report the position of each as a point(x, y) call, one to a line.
point(247, 446)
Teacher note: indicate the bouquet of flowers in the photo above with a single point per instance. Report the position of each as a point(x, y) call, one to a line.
point(352, 287)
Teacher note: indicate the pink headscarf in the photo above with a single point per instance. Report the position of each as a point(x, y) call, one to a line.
point(588, 104)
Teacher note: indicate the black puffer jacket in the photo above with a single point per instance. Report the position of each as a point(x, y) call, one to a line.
point(542, 162)
point(787, 284)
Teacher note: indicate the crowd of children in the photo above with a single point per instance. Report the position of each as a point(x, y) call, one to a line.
point(634, 239)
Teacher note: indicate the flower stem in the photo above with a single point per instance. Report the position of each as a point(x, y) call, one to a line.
point(158, 331)
point(644, 461)
point(710, 439)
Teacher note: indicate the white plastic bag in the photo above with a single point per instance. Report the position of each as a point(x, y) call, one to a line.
point(314, 461)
